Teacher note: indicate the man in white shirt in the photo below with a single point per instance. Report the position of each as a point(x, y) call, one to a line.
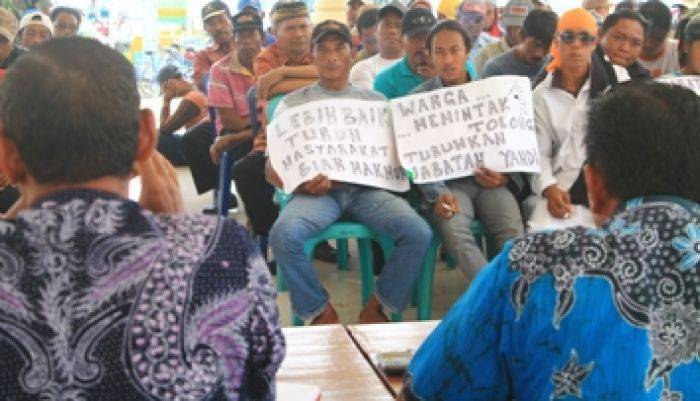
point(390, 47)
point(659, 54)
point(561, 104)
point(471, 14)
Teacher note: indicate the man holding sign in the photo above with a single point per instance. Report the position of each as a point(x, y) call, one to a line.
point(455, 199)
point(319, 202)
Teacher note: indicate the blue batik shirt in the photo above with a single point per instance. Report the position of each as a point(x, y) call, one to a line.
point(596, 314)
point(102, 300)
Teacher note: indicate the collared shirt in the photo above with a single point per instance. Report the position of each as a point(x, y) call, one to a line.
point(102, 300)
point(488, 52)
point(204, 59)
point(397, 80)
point(483, 40)
point(363, 73)
point(273, 57)
point(560, 125)
point(229, 83)
point(591, 314)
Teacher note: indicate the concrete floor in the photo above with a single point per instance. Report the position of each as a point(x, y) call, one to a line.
point(343, 286)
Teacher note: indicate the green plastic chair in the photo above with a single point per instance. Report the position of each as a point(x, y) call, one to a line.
point(344, 230)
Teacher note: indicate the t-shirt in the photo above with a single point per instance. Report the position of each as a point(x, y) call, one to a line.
point(364, 72)
point(204, 59)
point(14, 54)
point(666, 63)
point(397, 80)
point(317, 92)
point(229, 83)
point(488, 52)
point(508, 64)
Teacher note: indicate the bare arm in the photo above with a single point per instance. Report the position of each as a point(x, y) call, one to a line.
point(184, 113)
point(271, 175)
point(289, 85)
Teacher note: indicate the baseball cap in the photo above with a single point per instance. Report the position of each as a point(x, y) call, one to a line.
point(329, 27)
point(691, 33)
point(214, 8)
point(36, 18)
point(243, 4)
point(246, 20)
point(417, 20)
point(8, 25)
point(393, 7)
point(515, 12)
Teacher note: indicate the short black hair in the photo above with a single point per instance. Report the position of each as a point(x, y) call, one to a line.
point(367, 19)
point(657, 14)
point(169, 71)
point(541, 25)
point(612, 19)
point(71, 106)
point(448, 25)
point(66, 10)
point(644, 136)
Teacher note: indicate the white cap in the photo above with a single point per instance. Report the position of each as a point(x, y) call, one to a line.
point(36, 18)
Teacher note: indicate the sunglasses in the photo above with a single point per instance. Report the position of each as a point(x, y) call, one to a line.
point(569, 37)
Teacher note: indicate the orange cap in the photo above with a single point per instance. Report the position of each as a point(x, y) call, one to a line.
point(576, 19)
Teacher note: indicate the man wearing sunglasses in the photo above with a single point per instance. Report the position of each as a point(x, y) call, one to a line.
point(471, 14)
point(561, 103)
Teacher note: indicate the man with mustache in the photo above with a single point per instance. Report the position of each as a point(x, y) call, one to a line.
point(415, 67)
point(391, 49)
point(217, 23)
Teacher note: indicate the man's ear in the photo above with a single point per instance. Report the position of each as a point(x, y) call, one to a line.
point(148, 135)
point(601, 202)
point(11, 162)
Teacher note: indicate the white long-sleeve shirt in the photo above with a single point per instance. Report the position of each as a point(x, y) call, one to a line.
point(560, 123)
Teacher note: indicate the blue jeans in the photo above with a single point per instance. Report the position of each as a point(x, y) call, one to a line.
point(305, 216)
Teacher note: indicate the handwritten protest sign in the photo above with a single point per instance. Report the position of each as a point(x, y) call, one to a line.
point(347, 140)
point(690, 82)
point(447, 133)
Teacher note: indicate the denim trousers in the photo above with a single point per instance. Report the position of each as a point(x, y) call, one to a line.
point(306, 216)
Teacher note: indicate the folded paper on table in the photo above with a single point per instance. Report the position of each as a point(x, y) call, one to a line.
point(541, 220)
point(347, 140)
point(448, 133)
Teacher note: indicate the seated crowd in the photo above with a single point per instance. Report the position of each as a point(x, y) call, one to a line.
point(104, 298)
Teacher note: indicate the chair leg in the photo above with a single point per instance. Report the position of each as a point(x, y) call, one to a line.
point(342, 252)
point(366, 272)
point(224, 184)
point(281, 280)
point(425, 284)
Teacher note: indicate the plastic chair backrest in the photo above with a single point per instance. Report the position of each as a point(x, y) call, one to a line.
point(253, 108)
point(272, 106)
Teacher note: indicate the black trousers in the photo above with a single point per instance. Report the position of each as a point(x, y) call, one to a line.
point(256, 193)
point(195, 147)
point(169, 147)
point(8, 197)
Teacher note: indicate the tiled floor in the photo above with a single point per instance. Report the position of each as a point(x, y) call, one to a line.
point(344, 286)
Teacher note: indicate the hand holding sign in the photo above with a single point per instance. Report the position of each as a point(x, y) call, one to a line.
point(345, 140)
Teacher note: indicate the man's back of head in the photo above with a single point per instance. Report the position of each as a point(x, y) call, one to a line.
point(645, 139)
point(71, 107)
